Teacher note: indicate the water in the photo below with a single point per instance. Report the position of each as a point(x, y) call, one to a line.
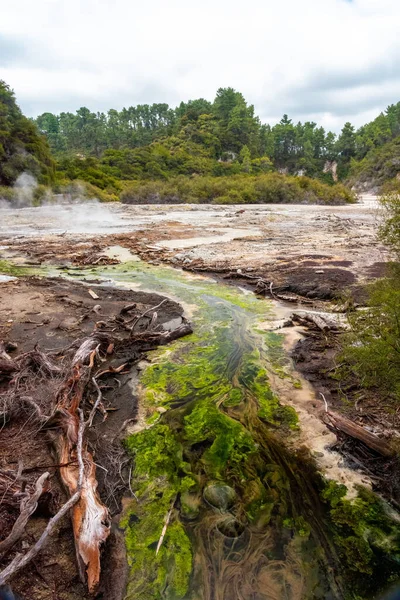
point(247, 518)
point(225, 509)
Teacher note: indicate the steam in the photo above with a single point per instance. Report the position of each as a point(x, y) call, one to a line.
point(89, 217)
point(24, 189)
point(26, 192)
point(30, 209)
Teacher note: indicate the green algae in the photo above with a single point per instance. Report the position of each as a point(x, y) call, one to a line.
point(296, 537)
point(367, 536)
point(220, 425)
point(14, 270)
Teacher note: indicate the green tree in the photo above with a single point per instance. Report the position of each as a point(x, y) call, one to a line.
point(245, 159)
point(346, 144)
point(22, 148)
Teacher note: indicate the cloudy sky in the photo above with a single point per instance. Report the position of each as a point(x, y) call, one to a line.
point(325, 60)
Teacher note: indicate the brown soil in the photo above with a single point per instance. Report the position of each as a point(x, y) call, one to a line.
point(53, 313)
point(316, 358)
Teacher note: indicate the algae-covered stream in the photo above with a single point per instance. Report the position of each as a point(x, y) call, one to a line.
point(225, 508)
point(246, 517)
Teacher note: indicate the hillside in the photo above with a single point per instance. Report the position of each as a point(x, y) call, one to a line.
point(22, 148)
point(379, 170)
point(154, 153)
point(219, 138)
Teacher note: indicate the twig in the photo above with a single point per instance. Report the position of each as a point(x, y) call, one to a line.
point(146, 312)
point(164, 529)
point(130, 486)
point(96, 404)
point(19, 562)
point(27, 508)
point(324, 399)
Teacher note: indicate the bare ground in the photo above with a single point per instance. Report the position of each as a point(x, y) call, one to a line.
point(53, 313)
point(312, 253)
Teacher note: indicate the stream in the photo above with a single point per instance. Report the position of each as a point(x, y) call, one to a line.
point(227, 506)
point(229, 502)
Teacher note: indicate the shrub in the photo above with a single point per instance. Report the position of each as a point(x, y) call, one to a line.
point(236, 189)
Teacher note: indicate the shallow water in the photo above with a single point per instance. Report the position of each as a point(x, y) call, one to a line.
point(210, 426)
point(244, 517)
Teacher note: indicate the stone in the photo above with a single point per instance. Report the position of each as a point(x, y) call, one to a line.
point(220, 495)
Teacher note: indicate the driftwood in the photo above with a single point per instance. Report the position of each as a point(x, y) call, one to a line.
point(75, 373)
point(356, 431)
point(27, 508)
point(90, 518)
point(322, 321)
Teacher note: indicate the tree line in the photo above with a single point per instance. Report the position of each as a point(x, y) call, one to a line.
point(226, 129)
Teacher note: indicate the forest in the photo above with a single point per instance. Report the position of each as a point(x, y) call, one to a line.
point(111, 153)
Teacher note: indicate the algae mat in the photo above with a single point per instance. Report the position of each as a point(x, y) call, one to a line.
point(224, 510)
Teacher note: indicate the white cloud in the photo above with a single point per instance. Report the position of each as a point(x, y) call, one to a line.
point(330, 60)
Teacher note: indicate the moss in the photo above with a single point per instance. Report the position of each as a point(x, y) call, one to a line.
point(159, 478)
point(299, 525)
point(256, 379)
point(157, 452)
point(167, 573)
point(179, 547)
point(231, 444)
point(333, 492)
point(234, 398)
point(367, 537)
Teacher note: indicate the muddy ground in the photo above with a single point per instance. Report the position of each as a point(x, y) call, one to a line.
point(53, 313)
point(313, 251)
point(309, 253)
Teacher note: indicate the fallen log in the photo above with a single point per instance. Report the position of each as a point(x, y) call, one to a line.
point(322, 321)
point(356, 431)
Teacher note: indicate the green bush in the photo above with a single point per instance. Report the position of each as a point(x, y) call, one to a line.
point(380, 166)
point(237, 189)
point(372, 348)
point(7, 193)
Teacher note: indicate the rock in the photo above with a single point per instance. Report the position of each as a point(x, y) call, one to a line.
point(230, 527)
point(219, 495)
point(161, 410)
point(11, 347)
point(320, 272)
point(239, 271)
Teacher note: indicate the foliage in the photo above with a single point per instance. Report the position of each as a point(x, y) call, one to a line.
point(22, 148)
point(390, 229)
point(270, 187)
point(379, 167)
point(372, 349)
point(210, 138)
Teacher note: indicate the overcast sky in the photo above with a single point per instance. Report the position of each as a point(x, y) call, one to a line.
point(324, 60)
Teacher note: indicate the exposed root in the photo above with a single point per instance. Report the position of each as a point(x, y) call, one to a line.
point(70, 376)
